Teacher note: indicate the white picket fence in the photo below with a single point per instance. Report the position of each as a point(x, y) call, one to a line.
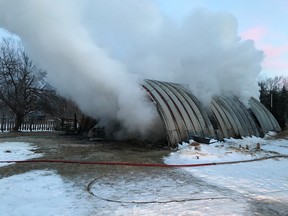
point(47, 124)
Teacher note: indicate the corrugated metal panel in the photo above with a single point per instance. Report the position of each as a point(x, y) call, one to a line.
point(173, 109)
point(241, 116)
point(248, 121)
point(238, 129)
point(264, 116)
point(222, 116)
point(202, 117)
point(259, 115)
point(172, 133)
point(185, 117)
point(185, 112)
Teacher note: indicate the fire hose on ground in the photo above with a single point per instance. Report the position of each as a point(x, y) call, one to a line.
point(141, 164)
point(89, 186)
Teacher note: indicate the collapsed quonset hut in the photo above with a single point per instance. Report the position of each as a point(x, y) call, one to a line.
point(184, 117)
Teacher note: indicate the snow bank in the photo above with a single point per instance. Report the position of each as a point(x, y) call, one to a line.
point(17, 151)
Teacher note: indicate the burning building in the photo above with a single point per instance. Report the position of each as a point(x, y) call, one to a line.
point(185, 117)
point(98, 61)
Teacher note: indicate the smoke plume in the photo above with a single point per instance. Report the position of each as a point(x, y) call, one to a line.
point(98, 52)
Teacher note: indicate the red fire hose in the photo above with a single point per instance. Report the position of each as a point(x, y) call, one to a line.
point(141, 164)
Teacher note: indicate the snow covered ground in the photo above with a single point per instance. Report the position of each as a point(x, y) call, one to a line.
point(212, 190)
point(41, 192)
point(262, 180)
point(16, 151)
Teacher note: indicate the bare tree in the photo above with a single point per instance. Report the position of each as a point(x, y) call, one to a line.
point(23, 86)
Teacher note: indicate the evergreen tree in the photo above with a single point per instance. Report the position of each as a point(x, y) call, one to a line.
point(274, 95)
point(284, 104)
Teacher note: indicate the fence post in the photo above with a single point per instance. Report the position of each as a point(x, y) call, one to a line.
point(2, 124)
point(75, 123)
point(31, 123)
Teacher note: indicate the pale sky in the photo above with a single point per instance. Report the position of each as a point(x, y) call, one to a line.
point(264, 21)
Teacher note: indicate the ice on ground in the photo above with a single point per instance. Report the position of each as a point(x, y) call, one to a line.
point(266, 179)
point(10, 151)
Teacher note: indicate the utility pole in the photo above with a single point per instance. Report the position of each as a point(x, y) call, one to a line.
point(271, 100)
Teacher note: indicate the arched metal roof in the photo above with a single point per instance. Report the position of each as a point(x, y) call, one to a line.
point(264, 116)
point(233, 117)
point(186, 118)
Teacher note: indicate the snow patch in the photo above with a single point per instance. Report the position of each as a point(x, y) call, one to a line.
point(260, 179)
point(41, 192)
point(10, 151)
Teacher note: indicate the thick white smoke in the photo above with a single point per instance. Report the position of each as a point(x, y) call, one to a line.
point(96, 52)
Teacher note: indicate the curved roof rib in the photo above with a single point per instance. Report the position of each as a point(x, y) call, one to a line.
point(173, 107)
point(241, 121)
point(207, 129)
point(264, 116)
point(184, 116)
point(172, 131)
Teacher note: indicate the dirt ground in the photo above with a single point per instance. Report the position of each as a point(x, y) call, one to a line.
point(54, 145)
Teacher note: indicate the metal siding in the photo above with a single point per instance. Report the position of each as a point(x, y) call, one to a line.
point(200, 113)
point(265, 122)
point(183, 114)
point(179, 107)
point(199, 131)
point(171, 129)
point(226, 117)
point(240, 115)
point(264, 116)
point(233, 117)
point(237, 110)
point(259, 115)
point(182, 105)
point(218, 113)
point(178, 122)
point(248, 120)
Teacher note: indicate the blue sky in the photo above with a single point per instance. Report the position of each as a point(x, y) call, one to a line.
point(264, 21)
